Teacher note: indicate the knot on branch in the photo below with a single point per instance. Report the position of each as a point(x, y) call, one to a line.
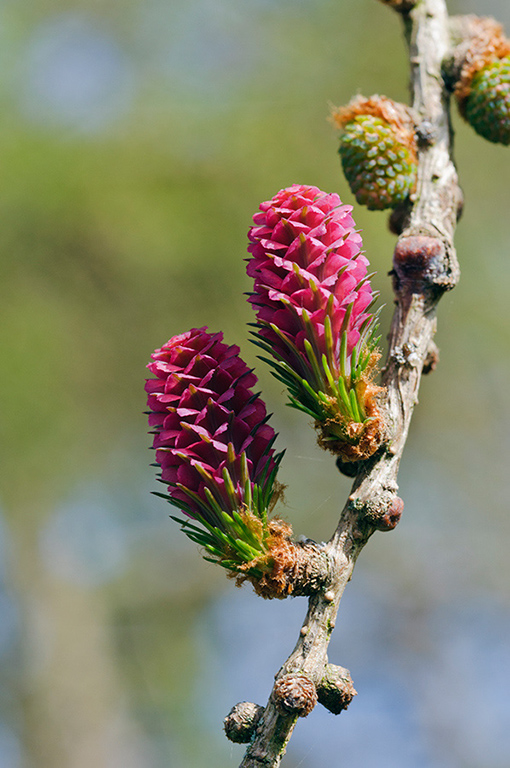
point(383, 515)
point(295, 695)
point(241, 721)
point(294, 568)
point(335, 690)
point(419, 264)
point(389, 519)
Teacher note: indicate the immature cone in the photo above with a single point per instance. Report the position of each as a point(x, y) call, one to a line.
point(336, 690)
point(483, 88)
point(378, 151)
point(214, 447)
point(241, 721)
point(312, 296)
point(295, 695)
point(487, 108)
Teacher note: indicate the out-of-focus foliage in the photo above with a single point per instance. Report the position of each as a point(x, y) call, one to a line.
point(137, 138)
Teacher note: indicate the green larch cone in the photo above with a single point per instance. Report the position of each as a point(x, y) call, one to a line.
point(378, 168)
point(377, 149)
point(487, 108)
point(482, 86)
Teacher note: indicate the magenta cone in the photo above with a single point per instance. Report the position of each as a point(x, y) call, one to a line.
point(207, 419)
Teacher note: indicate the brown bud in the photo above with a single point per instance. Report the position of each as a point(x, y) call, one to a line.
point(241, 721)
point(391, 518)
point(335, 690)
point(414, 255)
point(295, 695)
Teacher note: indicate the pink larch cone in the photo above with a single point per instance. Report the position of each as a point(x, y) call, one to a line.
point(213, 444)
point(312, 296)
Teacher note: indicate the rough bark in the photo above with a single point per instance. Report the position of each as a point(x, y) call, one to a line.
point(425, 266)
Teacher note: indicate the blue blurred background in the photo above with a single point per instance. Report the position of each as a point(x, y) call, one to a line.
point(138, 138)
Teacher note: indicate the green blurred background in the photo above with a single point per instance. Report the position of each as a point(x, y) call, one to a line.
point(138, 138)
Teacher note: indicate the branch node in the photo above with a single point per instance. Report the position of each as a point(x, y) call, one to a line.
point(417, 260)
point(335, 690)
point(241, 721)
point(383, 515)
point(390, 519)
point(299, 569)
point(295, 695)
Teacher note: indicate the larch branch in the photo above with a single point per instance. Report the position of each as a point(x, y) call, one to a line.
point(424, 267)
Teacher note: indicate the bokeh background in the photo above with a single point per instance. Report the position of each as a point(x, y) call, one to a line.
point(137, 140)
